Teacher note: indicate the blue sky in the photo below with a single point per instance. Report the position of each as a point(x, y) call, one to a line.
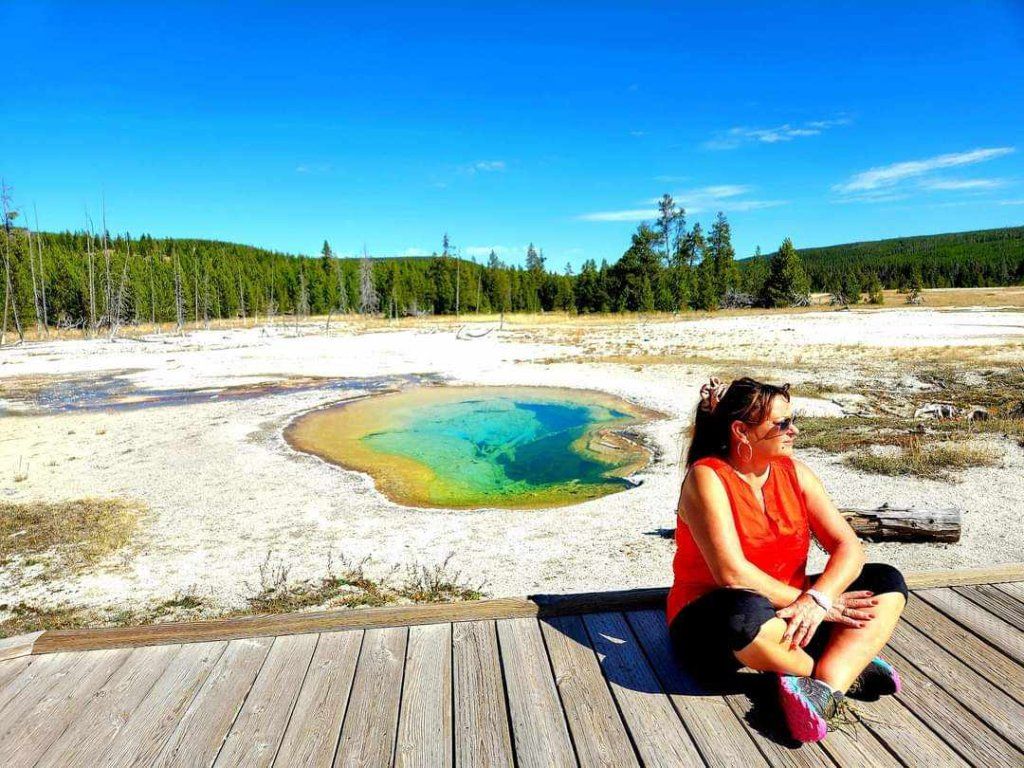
point(281, 125)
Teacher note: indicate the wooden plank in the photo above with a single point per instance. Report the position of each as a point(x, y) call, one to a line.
point(425, 723)
point(853, 744)
point(200, 733)
point(987, 702)
point(25, 691)
point(913, 742)
point(950, 720)
point(999, 604)
point(757, 708)
point(481, 719)
point(109, 709)
point(988, 662)
point(718, 734)
point(1013, 588)
point(315, 726)
point(991, 575)
point(10, 670)
point(979, 621)
point(597, 730)
point(538, 723)
point(257, 731)
point(658, 733)
point(142, 737)
point(24, 739)
point(371, 722)
point(18, 645)
point(904, 524)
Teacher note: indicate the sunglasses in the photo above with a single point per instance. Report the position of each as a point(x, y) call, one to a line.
point(785, 424)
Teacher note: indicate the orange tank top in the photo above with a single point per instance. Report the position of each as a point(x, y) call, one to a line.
point(776, 540)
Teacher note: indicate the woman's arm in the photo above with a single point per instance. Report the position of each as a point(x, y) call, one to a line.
point(704, 506)
point(846, 555)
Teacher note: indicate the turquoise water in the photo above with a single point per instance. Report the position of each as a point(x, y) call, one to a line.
point(486, 450)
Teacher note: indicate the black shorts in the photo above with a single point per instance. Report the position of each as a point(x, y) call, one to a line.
point(706, 633)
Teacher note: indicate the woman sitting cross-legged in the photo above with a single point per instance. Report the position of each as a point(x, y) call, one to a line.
point(741, 595)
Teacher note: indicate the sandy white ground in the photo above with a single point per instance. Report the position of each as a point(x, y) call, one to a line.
point(225, 489)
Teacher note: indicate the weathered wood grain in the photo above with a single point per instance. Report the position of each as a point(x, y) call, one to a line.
point(9, 671)
point(720, 737)
point(200, 733)
point(109, 709)
point(18, 645)
point(256, 733)
point(597, 730)
point(142, 737)
point(997, 603)
point(913, 742)
point(25, 691)
point(425, 722)
point(315, 726)
point(371, 722)
point(907, 525)
point(658, 733)
point(1003, 636)
point(1014, 589)
point(23, 740)
point(988, 662)
point(538, 723)
point(950, 720)
point(981, 697)
point(481, 719)
point(853, 744)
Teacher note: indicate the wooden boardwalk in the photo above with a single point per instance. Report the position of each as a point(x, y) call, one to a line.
point(556, 682)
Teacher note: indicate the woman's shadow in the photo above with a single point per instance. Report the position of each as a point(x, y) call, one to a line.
point(634, 652)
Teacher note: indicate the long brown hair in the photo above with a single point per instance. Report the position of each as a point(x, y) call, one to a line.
point(745, 400)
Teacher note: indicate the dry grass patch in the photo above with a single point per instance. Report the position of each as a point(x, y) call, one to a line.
point(935, 462)
point(67, 536)
point(351, 587)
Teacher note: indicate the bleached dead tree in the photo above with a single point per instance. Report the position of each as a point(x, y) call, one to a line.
point(92, 278)
point(107, 289)
point(42, 273)
point(35, 290)
point(241, 297)
point(368, 299)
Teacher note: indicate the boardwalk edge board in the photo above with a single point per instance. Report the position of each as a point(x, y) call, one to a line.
point(537, 606)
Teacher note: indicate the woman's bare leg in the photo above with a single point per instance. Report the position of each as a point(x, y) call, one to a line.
point(766, 652)
point(850, 649)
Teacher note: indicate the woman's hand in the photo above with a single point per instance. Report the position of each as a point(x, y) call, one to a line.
point(803, 616)
point(850, 608)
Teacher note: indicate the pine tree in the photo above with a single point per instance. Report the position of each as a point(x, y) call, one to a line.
point(723, 257)
point(787, 281)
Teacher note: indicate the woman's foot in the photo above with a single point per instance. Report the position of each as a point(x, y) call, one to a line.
point(879, 678)
point(811, 707)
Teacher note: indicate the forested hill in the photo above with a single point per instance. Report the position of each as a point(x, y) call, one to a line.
point(74, 279)
point(957, 259)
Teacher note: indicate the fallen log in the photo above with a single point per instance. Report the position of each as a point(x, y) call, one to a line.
point(905, 524)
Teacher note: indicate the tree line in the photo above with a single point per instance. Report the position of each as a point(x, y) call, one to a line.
point(99, 280)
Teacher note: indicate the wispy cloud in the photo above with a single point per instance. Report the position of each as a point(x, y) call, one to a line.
point(486, 166)
point(874, 184)
point(716, 197)
point(944, 185)
point(741, 135)
point(1012, 202)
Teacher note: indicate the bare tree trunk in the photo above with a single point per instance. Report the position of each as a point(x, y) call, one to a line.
point(9, 298)
point(206, 294)
point(479, 289)
point(106, 257)
point(92, 283)
point(42, 274)
point(152, 288)
point(35, 290)
point(458, 280)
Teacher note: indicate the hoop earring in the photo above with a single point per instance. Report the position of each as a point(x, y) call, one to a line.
point(750, 451)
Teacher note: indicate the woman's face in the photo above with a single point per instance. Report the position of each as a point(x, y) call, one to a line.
point(774, 436)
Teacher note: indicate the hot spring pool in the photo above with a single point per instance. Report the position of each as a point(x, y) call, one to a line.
point(467, 447)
